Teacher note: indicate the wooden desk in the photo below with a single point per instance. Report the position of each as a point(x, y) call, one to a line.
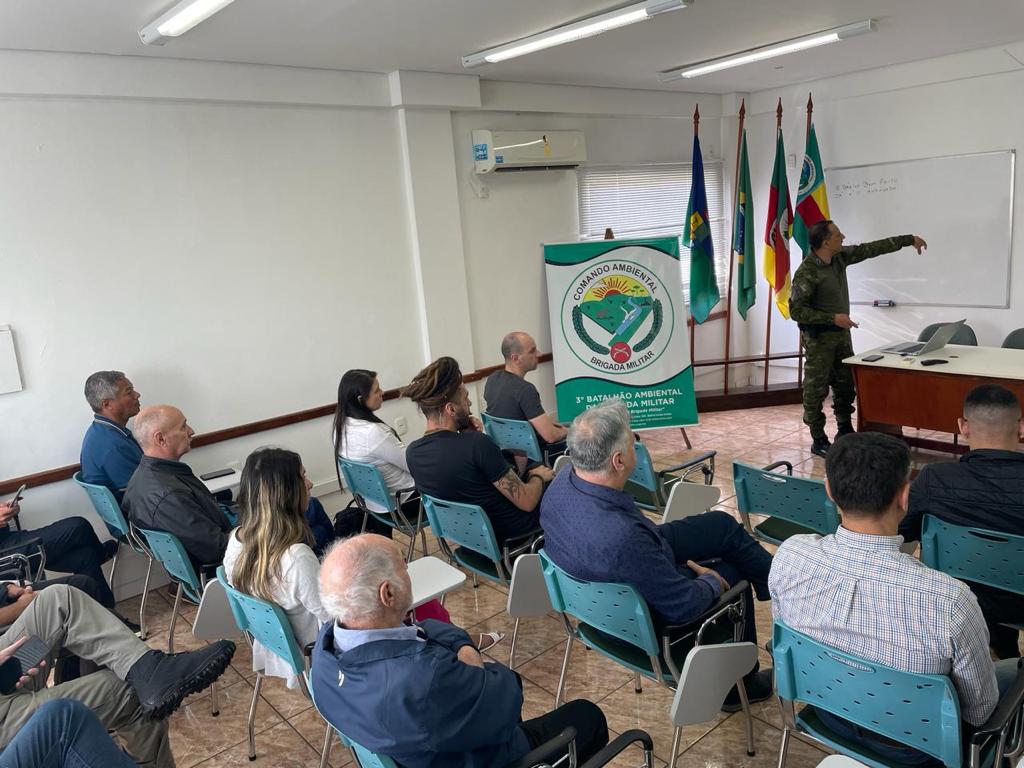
point(899, 390)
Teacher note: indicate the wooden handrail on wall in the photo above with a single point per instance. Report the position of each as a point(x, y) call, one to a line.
point(243, 430)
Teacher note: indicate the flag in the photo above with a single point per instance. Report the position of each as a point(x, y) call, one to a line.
point(812, 196)
point(697, 237)
point(778, 231)
point(743, 237)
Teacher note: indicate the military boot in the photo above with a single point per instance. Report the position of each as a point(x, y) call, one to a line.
point(820, 446)
point(846, 428)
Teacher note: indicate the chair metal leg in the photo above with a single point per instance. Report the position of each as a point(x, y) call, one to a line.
point(143, 633)
point(325, 753)
point(215, 704)
point(677, 737)
point(423, 540)
point(174, 619)
point(741, 689)
point(637, 684)
point(561, 678)
point(251, 723)
point(476, 583)
point(783, 746)
point(113, 566)
point(412, 544)
point(512, 650)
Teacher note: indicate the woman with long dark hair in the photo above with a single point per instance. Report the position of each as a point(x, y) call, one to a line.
point(270, 554)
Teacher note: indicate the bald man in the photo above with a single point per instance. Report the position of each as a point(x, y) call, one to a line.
point(165, 495)
point(421, 693)
point(510, 396)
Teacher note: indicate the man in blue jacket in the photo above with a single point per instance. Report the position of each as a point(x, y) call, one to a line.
point(421, 693)
point(110, 454)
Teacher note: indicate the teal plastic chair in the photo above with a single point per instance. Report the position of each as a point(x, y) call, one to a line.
point(918, 710)
point(650, 488)
point(793, 505)
point(614, 620)
point(514, 435)
point(366, 483)
point(267, 623)
point(109, 511)
point(992, 558)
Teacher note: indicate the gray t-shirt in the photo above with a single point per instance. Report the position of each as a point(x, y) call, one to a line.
point(511, 397)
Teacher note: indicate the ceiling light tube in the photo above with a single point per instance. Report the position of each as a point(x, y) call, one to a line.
point(180, 19)
point(769, 51)
point(578, 30)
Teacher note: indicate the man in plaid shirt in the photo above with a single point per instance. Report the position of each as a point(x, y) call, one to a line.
point(857, 592)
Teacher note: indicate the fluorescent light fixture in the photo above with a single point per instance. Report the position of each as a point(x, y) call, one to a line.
point(769, 51)
point(180, 19)
point(578, 30)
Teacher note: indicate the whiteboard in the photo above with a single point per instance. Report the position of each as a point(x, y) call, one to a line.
point(962, 205)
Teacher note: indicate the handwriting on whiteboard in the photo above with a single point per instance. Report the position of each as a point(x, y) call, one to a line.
point(874, 186)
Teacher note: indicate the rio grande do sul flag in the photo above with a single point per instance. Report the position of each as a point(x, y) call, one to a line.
point(778, 231)
point(812, 196)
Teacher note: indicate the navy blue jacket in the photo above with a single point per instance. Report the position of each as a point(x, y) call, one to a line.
point(415, 702)
point(597, 533)
point(109, 455)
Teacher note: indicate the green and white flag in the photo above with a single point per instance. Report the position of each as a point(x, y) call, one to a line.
point(618, 329)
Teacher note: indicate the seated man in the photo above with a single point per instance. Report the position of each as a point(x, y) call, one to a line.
point(135, 693)
point(856, 591)
point(110, 454)
point(593, 530)
point(510, 396)
point(71, 546)
point(421, 693)
point(455, 461)
point(985, 489)
point(165, 495)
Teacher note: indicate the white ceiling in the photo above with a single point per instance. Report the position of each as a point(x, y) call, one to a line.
point(432, 35)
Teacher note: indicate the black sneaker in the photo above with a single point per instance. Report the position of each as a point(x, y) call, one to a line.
point(110, 549)
point(162, 680)
point(820, 446)
point(759, 688)
point(845, 429)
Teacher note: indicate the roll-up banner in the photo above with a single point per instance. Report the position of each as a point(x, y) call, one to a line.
point(618, 329)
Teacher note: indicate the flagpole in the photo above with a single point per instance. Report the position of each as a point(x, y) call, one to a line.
point(799, 338)
point(693, 323)
point(768, 324)
point(732, 247)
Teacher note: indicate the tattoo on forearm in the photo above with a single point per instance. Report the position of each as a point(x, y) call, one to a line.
point(511, 485)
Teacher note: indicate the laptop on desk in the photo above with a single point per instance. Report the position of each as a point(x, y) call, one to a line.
point(938, 340)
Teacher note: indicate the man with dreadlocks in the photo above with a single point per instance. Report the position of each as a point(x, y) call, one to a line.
point(455, 461)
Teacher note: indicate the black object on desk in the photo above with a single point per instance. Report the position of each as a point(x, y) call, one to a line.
point(217, 473)
point(934, 361)
point(872, 358)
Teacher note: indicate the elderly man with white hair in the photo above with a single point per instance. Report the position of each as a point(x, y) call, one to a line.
point(164, 494)
point(421, 693)
point(593, 530)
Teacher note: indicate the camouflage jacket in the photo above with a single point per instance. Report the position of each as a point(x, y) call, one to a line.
point(820, 291)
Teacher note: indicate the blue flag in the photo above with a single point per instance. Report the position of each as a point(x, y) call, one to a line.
point(697, 237)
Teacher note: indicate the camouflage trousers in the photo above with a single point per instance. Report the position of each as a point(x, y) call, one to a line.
point(823, 368)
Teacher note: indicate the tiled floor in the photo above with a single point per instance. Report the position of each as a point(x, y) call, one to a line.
point(290, 733)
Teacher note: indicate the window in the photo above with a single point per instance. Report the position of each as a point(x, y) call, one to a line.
point(650, 201)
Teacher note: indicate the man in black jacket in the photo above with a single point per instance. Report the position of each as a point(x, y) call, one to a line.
point(985, 489)
point(165, 495)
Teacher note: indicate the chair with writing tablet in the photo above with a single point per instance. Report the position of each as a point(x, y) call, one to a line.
point(650, 488)
point(793, 505)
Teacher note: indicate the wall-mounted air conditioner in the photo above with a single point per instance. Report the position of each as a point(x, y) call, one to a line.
point(527, 150)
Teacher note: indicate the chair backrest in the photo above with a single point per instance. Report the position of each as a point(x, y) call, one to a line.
point(974, 554)
point(1014, 339)
point(964, 335)
point(464, 524)
point(105, 504)
point(708, 673)
point(644, 474)
point(366, 482)
point(513, 435)
point(527, 592)
point(266, 622)
point(688, 499)
point(801, 500)
point(918, 710)
point(167, 548)
point(615, 609)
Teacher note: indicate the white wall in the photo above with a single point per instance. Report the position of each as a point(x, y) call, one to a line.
point(951, 105)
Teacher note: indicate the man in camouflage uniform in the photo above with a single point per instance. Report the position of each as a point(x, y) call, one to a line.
point(820, 302)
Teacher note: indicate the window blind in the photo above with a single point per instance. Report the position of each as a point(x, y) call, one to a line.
point(650, 201)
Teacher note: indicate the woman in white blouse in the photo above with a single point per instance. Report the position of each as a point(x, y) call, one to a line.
point(270, 553)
